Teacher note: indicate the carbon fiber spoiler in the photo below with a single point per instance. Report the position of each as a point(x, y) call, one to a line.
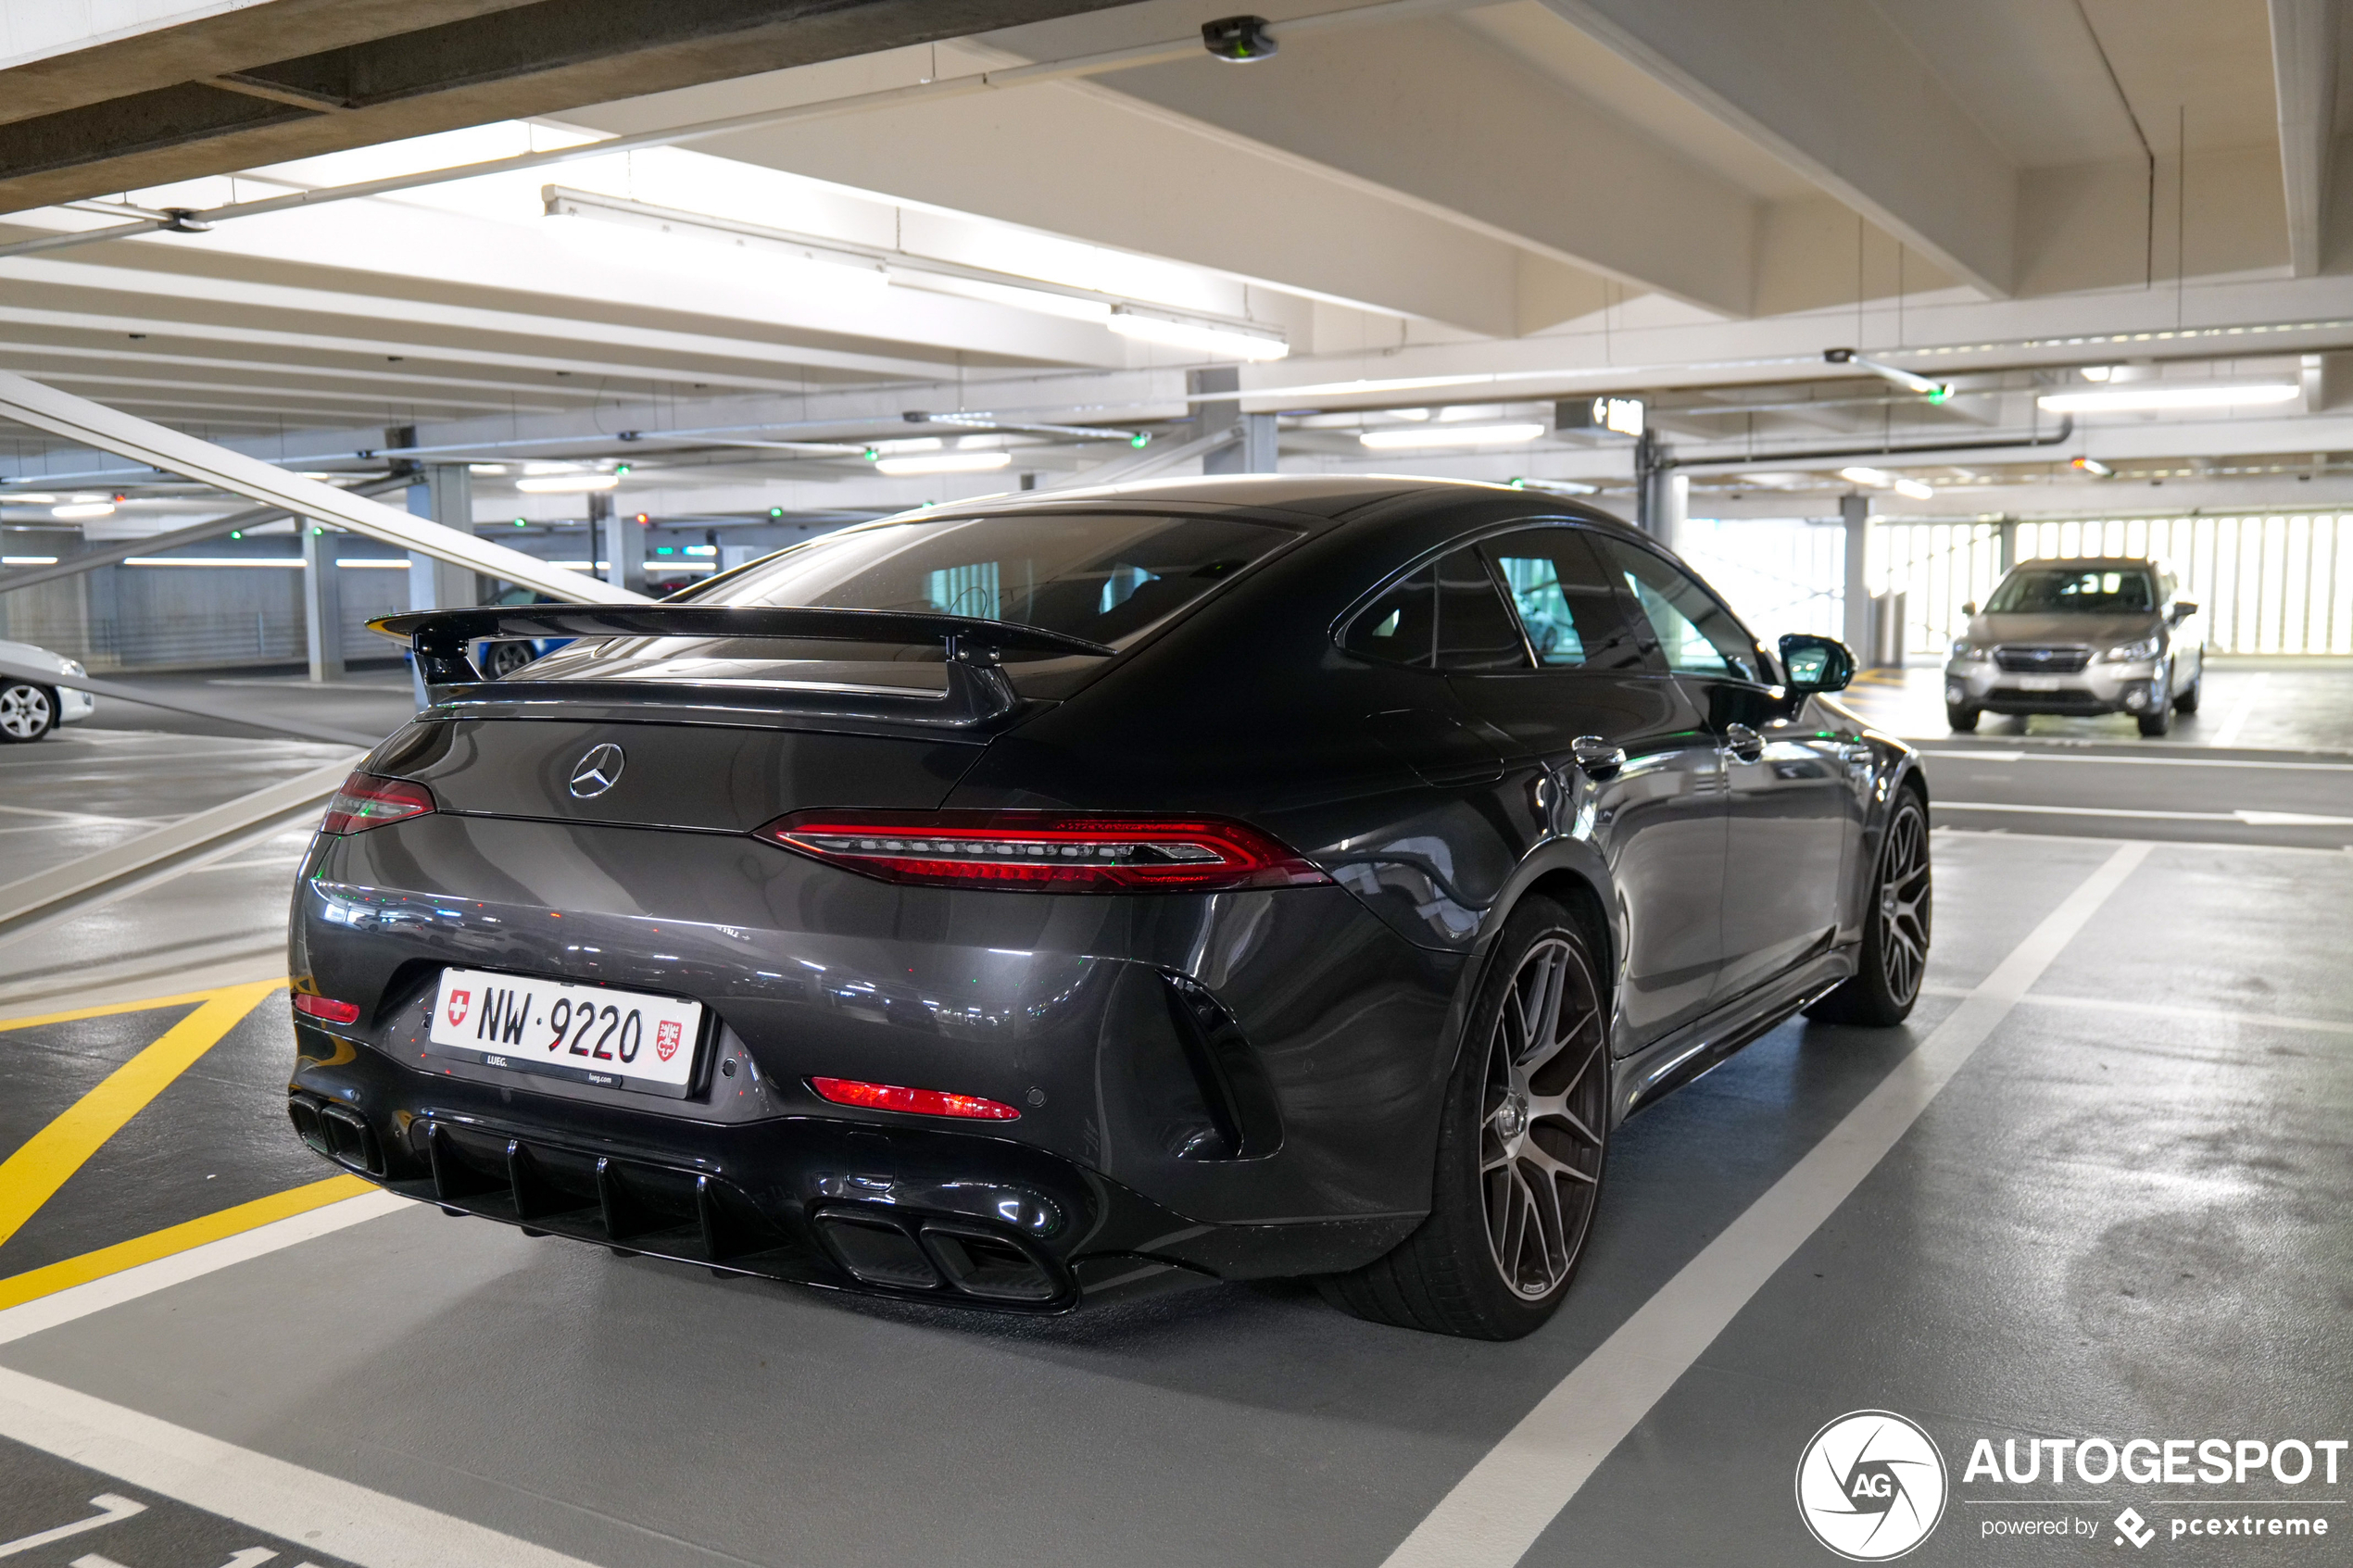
point(974, 647)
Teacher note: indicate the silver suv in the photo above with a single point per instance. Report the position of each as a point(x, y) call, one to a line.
point(2099, 636)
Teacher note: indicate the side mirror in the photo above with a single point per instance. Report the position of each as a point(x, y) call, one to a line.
point(1815, 664)
point(2183, 611)
point(1969, 607)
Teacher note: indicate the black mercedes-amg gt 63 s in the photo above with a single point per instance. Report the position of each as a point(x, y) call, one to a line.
point(1043, 898)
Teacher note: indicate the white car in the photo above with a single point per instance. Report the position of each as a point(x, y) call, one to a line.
point(29, 710)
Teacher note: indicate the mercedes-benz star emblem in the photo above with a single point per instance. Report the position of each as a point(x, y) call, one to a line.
point(597, 771)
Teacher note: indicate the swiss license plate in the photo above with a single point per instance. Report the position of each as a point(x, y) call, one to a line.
point(591, 1034)
point(2039, 683)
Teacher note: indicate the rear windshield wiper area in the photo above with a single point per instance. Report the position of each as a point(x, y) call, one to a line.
point(973, 650)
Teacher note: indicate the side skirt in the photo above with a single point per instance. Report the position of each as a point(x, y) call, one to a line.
point(1701, 1047)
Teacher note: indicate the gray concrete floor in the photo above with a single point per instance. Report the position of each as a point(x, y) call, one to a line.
point(2125, 1216)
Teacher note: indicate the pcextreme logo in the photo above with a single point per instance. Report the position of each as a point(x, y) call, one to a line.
point(1870, 1485)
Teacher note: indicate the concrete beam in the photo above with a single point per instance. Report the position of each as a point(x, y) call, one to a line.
point(78, 419)
point(2306, 37)
point(1451, 123)
point(1834, 90)
point(135, 111)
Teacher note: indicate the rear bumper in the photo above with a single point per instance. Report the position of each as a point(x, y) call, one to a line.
point(1245, 1083)
point(915, 1213)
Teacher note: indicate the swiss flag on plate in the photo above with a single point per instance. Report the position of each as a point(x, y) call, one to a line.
point(666, 1041)
point(459, 1001)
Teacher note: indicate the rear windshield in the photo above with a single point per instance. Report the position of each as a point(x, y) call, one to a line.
point(1107, 577)
point(2090, 591)
point(1103, 577)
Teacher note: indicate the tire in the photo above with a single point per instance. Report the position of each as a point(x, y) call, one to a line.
point(27, 712)
point(2157, 723)
point(1961, 720)
point(505, 659)
point(1520, 1149)
point(1895, 928)
point(2188, 700)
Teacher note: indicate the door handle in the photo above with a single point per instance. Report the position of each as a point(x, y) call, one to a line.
point(1743, 742)
point(1596, 757)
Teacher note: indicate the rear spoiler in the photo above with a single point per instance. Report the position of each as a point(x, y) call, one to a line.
point(974, 647)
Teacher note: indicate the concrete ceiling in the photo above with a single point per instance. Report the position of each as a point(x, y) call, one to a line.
point(1435, 204)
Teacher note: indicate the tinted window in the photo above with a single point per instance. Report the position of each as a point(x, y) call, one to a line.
point(2064, 590)
point(1565, 599)
point(1447, 616)
point(1102, 577)
point(1695, 634)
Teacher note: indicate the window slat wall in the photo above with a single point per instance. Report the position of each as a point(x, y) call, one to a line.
point(2278, 582)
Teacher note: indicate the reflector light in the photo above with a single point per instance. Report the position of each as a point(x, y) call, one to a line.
point(919, 1102)
point(366, 801)
point(1045, 852)
point(327, 1007)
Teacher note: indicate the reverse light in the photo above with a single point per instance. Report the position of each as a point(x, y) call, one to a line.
point(366, 801)
point(326, 1009)
point(918, 1102)
point(1045, 852)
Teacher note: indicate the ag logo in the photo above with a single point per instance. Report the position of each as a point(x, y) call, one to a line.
point(1870, 1485)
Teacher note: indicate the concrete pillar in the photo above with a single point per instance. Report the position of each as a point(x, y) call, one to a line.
point(1257, 448)
point(619, 542)
point(321, 601)
point(1662, 492)
point(444, 492)
point(2010, 543)
point(1218, 413)
point(1854, 511)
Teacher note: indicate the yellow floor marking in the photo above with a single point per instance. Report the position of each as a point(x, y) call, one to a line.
point(109, 1010)
point(33, 1172)
point(17, 1289)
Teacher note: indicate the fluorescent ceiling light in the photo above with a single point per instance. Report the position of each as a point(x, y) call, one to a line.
point(944, 462)
point(1045, 302)
point(904, 444)
point(1875, 478)
point(2097, 372)
point(86, 500)
point(2094, 467)
point(1451, 435)
point(486, 468)
point(28, 560)
point(1228, 342)
point(2154, 396)
point(1914, 489)
point(78, 510)
point(567, 483)
point(26, 498)
point(294, 562)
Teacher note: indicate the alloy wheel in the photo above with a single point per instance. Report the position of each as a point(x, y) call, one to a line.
point(1543, 1116)
point(24, 712)
point(1903, 911)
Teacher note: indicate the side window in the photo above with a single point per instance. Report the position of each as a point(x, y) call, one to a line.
point(1697, 636)
point(1476, 628)
point(1565, 601)
point(1447, 616)
point(1400, 627)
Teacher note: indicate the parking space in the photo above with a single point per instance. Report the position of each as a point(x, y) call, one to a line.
point(2138, 1174)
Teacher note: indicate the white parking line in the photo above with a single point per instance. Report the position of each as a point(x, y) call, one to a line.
point(1496, 1511)
point(2229, 733)
point(2251, 818)
point(326, 1514)
point(1973, 754)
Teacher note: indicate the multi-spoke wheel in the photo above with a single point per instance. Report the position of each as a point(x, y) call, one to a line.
point(1519, 1147)
point(1895, 928)
point(1540, 1134)
point(27, 711)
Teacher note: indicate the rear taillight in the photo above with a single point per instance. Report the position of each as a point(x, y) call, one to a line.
point(918, 1102)
point(326, 1009)
point(1045, 852)
point(366, 801)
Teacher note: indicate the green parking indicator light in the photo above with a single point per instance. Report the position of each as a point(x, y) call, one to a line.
point(522, 523)
point(776, 512)
point(1140, 439)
